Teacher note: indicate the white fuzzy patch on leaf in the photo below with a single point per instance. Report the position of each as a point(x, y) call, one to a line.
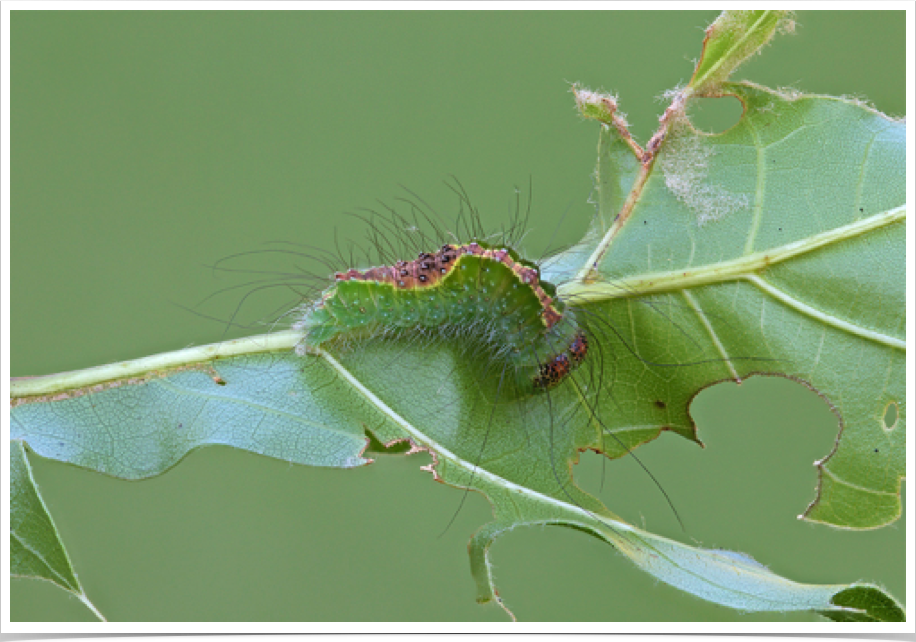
point(685, 164)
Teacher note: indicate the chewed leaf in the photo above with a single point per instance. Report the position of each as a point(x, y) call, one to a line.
point(36, 550)
point(751, 265)
point(724, 577)
point(720, 300)
point(270, 404)
point(775, 248)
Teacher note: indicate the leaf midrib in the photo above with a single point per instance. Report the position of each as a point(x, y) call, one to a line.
point(582, 291)
point(76, 380)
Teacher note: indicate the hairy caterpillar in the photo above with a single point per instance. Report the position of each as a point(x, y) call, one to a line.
point(477, 298)
point(486, 290)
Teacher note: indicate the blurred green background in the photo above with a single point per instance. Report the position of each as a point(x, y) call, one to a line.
point(147, 145)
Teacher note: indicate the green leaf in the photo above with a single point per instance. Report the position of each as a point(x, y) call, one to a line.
point(733, 38)
point(142, 425)
point(509, 451)
point(763, 249)
point(735, 261)
point(864, 603)
point(36, 551)
point(725, 577)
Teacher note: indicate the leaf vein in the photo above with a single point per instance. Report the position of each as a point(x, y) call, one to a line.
point(840, 480)
point(758, 193)
point(712, 333)
point(64, 581)
point(444, 453)
point(840, 324)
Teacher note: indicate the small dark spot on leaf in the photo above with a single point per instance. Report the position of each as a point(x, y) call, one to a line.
point(861, 209)
point(645, 222)
point(218, 380)
point(876, 450)
point(660, 404)
point(780, 229)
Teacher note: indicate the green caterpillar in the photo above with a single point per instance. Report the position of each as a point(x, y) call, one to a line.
point(488, 292)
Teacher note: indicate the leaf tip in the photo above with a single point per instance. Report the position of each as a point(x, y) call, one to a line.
point(864, 603)
point(730, 40)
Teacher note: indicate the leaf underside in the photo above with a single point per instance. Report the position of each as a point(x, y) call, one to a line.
point(797, 280)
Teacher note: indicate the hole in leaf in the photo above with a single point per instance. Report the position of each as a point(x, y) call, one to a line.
point(890, 416)
point(715, 115)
